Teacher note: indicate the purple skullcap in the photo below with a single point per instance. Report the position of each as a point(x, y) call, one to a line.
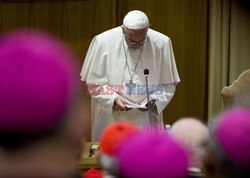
point(151, 155)
point(37, 81)
point(232, 132)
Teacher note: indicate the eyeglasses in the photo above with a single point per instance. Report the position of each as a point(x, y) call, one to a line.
point(132, 42)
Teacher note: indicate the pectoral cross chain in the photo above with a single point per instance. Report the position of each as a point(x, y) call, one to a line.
point(132, 84)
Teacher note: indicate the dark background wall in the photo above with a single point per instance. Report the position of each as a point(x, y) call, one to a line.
point(77, 21)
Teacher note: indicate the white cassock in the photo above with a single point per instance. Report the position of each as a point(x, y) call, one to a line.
point(105, 66)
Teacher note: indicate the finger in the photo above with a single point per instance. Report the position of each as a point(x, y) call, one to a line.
point(122, 106)
point(128, 109)
point(124, 101)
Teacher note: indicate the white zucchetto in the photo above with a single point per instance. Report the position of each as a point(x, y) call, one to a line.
point(136, 20)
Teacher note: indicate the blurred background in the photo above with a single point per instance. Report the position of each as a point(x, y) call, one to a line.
point(211, 39)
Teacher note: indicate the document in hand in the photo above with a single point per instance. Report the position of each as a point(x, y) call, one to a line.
point(136, 105)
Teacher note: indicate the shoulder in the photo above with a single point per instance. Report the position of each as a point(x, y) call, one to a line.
point(159, 40)
point(109, 35)
point(156, 36)
point(106, 39)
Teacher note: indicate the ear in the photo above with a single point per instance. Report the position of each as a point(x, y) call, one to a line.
point(123, 28)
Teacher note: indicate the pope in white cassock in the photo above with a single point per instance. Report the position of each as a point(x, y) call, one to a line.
point(114, 73)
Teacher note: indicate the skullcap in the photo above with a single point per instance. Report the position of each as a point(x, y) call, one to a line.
point(151, 155)
point(136, 20)
point(92, 173)
point(38, 81)
point(113, 134)
point(232, 133)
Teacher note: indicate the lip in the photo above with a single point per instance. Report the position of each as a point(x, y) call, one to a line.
point(136, 46)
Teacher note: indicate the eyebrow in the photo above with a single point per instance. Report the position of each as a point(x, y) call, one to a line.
point(138, 41)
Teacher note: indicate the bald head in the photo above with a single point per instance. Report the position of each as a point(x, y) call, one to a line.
point(192, 133)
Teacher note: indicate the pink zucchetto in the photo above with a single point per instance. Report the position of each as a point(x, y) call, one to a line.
point(151, 155)
point(232, 133)
point(38, 76)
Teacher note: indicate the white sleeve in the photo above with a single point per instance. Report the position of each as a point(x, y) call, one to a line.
point(163, 95)
point(104, 94)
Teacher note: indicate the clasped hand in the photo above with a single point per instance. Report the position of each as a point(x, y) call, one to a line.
point(120, 104)
point(152, 104)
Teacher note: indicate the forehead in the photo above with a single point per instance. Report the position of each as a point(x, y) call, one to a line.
point(135, 33)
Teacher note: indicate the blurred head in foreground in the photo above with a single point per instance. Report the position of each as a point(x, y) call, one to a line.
point(228, 154)
point(110, 140)
point(193, 134)
point(152, 154)
point(40, 119)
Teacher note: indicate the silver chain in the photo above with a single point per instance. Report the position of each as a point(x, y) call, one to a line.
point(131, 76)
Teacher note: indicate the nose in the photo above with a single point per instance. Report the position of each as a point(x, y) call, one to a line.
point(136, 45)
